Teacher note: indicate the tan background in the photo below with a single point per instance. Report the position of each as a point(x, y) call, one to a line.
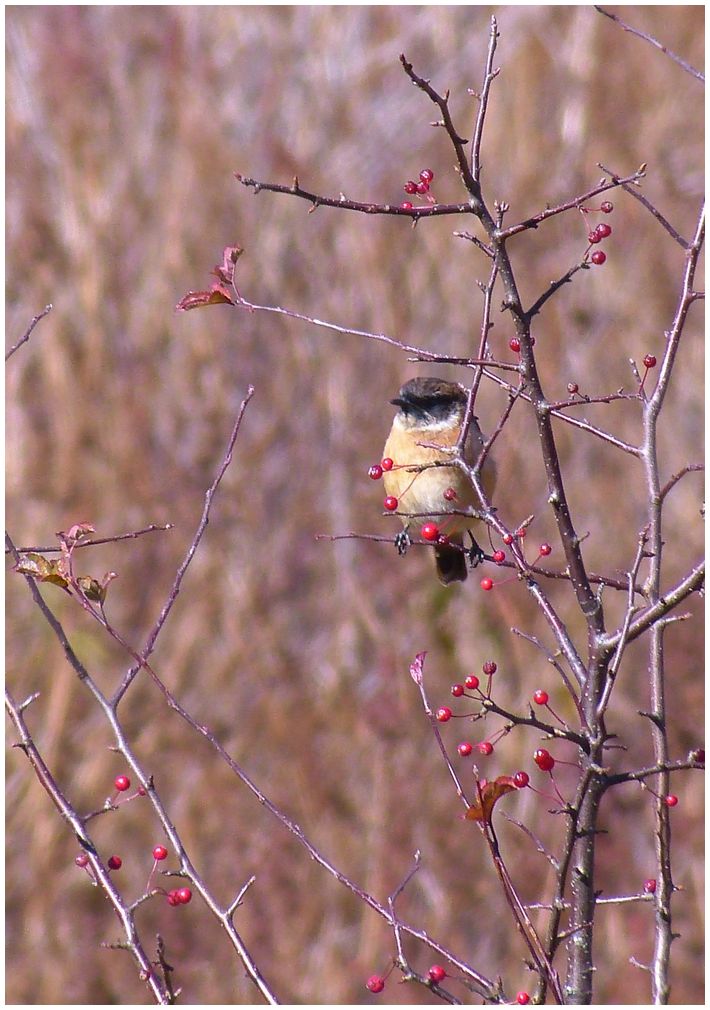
point(124, 128)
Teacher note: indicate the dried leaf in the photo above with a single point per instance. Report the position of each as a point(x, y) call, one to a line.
point(91, 589)
point(221, 292)
point(416, 669)
point(489, 794)
point(230, 255)
point(78, 530)
point(42, 569)
point(217, 295)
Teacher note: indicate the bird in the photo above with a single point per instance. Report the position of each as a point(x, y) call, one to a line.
point(431, 412)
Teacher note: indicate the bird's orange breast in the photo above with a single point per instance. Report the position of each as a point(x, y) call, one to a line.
point(423, 491)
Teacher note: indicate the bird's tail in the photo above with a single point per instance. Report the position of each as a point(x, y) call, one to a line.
point(451, 561)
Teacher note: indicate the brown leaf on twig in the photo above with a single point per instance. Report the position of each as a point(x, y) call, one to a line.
point(42, 569)
point(220, 293)
point(217, 295)
point(488, 795)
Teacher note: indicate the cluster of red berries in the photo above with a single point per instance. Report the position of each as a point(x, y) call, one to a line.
point(420, 188)
point(375, 472)
point(471, 683)
point(544, 760)
point(178, 896)
point(596, 235)
point(601, 231)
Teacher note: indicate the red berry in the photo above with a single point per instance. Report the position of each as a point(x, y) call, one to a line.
point(184, 895)
point(82, 860)
point(544, 760)
point(423, 187)
point(160, 852)
point(405, 205)
point(486, 585)
point(141, 791)
point(598, 257)
point(514, 344)
point(375, 472)
point(457, 690)
point(499, 557)
point(521, 533)
point(593, 237)
point(375, 983)
point(172, 897)
point(472, 682)
point(426, 175)
point(410, 187)
point(443, 714)
point(391, 503)
point(522, 998)
point(485, 748)
point(650, 361)
point(430, 531)
point(541, 697)
point(437, 973)
point(572, 388)
point(649, 886)
point(671, 800)
point(122, 782)
point(465, 749)
point(489, 668)
point(603, 230)
point(606, 207)
point(386, 463)
point(508, 539)
point(450, 494)
point(115, 863)
point(545, 549)
point(521, 779)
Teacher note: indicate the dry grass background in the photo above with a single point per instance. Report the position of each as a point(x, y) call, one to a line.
point(124, 126)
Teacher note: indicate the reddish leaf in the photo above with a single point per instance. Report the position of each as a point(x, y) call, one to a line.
point(230, 255)
point(417, 667)
point(489, 794)
point(217, 295)
point(221, 292)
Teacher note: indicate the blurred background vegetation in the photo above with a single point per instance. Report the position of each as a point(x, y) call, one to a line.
point(124, 128)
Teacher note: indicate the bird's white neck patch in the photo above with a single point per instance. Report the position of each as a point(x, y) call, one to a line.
point(407, 423)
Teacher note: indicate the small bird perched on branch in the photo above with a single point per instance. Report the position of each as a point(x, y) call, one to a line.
point(431, 412)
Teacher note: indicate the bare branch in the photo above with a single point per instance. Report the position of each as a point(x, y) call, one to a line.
point(28, 332)
point(654, 42)
point(415, 213)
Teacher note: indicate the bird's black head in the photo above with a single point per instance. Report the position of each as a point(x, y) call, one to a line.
point(428, 400)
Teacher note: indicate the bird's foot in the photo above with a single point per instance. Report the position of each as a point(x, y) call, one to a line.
point(402, 542)
point(474, 554)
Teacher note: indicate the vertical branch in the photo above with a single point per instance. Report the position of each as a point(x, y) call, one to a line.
point(478, 369)
point(488, 79)
point(649, 452)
